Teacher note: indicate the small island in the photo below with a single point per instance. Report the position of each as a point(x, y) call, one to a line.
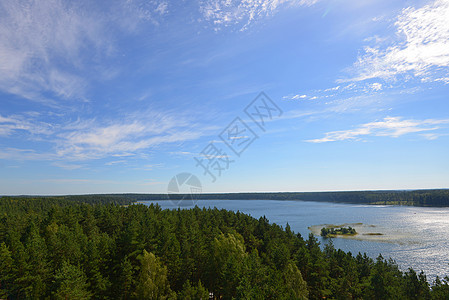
point(333, 232)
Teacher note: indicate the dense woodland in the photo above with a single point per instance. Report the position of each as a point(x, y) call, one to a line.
point(416, 197)
point(100, 247)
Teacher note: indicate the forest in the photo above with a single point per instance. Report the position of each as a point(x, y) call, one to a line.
point(105, 247)
point(437, 197)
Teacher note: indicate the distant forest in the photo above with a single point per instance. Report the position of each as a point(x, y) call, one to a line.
point(104, 247)
point(439, 197)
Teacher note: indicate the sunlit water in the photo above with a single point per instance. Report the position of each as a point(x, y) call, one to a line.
point(416, 237)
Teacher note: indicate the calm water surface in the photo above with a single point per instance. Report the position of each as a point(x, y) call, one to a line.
point(416, 237)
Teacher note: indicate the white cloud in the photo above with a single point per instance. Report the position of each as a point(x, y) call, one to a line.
point(145, 182)
point(299, 97)
point(229, 12)
point(162, 8)
point(15, 123)
point(17, 154)
point(445, 80)
point(35, 34)
point(390, 127)
point(433, 136)
point(131, 135)
point(187, 153)
point(332, 89)
point(115, 162)
point(341, 92)
point(134, 12)
point(80, 140)
point(67, 166)
point(148, 167)
point(376, 86)
point(82, 181)
point(49, 49)
point(421, 49)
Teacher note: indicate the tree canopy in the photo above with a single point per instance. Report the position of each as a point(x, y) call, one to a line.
point(102, 248)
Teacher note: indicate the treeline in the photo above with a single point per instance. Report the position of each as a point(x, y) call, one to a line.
point(64, 249)
point(438, 197)
point(43, 203)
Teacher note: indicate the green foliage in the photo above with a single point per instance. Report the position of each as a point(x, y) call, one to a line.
point(152, 282)
point(229, 256)
point(436, 197)
point(65, 248)
point(296, 286)
point(190, 292)
point(331, 232)
point(6, 267)
point(417, 286)
point(440, 290)
point(71, 283)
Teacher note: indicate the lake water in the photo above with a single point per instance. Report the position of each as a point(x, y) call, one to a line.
point(416, 237)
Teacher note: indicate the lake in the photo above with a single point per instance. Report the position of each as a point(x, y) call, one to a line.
point(416, 237)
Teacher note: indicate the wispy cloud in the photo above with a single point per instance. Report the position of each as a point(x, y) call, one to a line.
point(390, 127)
point(145, 182)
point(15, 123)
point(183, 153)
point(433, 136)
point(224, 13)
point(339, 91)
point(131, 135)
point(36, 34)
point(87, 139)
point(115, 162)
point(420, 48)
point(134, 12)
point(67, 166)
point(20, 154)
point(150, 167)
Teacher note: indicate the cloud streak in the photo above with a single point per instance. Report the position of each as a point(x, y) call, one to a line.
point(388, 127)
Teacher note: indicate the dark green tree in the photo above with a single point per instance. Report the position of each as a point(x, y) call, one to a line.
point(229, 256)
point(193, 292)
point(71, 283)
point(6, 276)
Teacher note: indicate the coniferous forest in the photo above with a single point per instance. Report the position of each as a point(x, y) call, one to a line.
point(104, 247)
point(435, 197)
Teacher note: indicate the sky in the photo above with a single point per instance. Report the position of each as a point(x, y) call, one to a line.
point(254, 95)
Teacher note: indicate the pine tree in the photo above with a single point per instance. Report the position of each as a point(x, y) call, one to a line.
point(38, 262)
point(152, 282)
point(294, 282)
point(71, 283)
point(6, 264)
point(228, 255)
point(191, 292)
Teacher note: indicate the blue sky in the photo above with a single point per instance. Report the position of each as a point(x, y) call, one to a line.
point(120, 96)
